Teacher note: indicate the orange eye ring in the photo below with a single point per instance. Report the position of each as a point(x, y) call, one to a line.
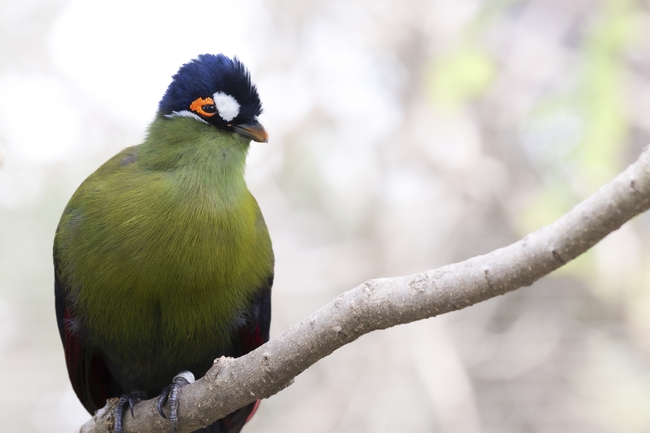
point(204, 106)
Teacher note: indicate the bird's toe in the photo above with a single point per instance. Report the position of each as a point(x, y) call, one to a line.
point(126, 400)
point(169, 395)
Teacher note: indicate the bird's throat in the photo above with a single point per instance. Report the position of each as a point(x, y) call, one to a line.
point(184, 144)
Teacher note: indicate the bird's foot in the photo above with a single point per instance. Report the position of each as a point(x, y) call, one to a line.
point(126, 400)
point(170, 394)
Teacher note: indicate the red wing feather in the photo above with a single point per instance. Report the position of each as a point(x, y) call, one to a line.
point(91, 380)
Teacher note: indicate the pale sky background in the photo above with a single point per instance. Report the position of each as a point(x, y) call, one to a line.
point(404, 135)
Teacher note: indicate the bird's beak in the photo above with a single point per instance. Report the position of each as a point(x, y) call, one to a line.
point(254, 130)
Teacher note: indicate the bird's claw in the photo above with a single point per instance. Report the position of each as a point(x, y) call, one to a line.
point(126, 400)
point(170, 394)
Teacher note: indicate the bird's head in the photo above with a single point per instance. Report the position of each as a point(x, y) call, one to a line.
point(216, 90)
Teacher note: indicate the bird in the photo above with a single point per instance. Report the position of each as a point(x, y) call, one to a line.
point(162, 259)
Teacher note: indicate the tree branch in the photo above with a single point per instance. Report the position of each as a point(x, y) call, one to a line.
point(383, 303)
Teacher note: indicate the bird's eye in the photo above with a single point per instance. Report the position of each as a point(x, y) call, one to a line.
point(204, 107)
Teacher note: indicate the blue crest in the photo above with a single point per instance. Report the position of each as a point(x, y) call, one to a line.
point(207, 74)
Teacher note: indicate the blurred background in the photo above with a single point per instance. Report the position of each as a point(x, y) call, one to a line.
point(405, 135)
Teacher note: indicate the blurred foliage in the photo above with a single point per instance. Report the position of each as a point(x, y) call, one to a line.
point(463, 74)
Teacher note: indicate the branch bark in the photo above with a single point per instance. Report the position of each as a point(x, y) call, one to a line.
point(383, 303)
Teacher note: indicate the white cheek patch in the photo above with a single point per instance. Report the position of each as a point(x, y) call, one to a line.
point(227, 106)
point(184, 113)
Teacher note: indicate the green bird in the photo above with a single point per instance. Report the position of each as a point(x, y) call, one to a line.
point(162, 259)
